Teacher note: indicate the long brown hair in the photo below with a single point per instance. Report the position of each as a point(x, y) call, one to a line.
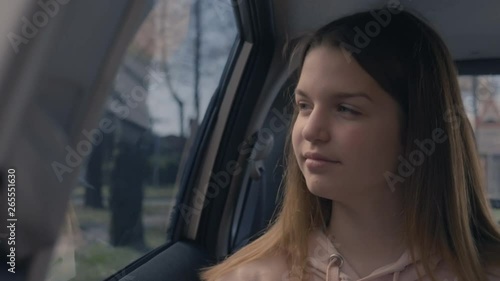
point(446, 209)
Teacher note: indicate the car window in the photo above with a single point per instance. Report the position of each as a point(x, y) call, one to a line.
point(481, 95)
point(121, 206)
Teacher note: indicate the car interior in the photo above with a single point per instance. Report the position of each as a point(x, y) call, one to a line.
point(56, 84)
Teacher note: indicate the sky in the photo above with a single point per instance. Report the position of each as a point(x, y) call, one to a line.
point(218, 35)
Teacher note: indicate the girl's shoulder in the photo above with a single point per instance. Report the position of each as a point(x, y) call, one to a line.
point(269, 268)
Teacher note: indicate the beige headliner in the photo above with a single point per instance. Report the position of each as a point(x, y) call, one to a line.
point(471, 29)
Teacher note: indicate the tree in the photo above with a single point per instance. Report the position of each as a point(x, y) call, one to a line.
point(164, 64)
point(93, 192)
point(197, 64)
point(127, 195)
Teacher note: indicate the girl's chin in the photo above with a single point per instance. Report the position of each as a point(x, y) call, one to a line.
point(322, 191)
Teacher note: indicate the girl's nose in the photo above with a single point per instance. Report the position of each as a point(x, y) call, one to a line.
point(316, 127)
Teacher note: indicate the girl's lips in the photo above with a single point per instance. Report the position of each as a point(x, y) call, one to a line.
point(316, 165)
point(318, 157)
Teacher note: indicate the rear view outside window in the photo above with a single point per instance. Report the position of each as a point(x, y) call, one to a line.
point(481, 95)
point(121, 207)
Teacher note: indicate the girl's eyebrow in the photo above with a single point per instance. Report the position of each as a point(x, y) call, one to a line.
point(338, 95)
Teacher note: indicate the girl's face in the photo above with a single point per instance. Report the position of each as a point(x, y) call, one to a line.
point(347, 133)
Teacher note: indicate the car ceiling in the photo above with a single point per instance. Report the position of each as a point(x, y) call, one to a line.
point(471, 29)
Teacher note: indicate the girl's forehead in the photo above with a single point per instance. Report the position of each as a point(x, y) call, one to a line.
point(329, 63)
point(326, 70)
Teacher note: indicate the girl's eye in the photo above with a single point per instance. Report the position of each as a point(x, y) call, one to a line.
point(344, 109)
point(302, 106)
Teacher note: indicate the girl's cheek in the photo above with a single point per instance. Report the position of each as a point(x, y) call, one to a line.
point(296, 135)
point(297, 130)
point(354, 137)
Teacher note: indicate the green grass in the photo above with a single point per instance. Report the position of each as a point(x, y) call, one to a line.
point(97, 260)
point(154, 235)
point(164, 192)
point(149, 192)
point(156, 210)
point(89, 216)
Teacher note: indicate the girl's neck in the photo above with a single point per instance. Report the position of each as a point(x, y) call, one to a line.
point(368, 234)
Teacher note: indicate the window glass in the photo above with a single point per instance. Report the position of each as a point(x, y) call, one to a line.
point(121, 207)
point(481, 95)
